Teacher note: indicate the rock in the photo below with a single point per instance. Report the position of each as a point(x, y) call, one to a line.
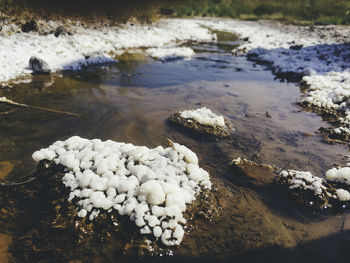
point(251, 172)
point(309, 190)
point(39, 66)
point(60, 31)
point(29, 26)
point(5, 168)
point(335, 135)
point(5, 241)
point(193, 125)
point(296, 47)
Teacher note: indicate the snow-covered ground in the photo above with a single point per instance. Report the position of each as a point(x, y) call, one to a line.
point(305, 50)
point(87, 45)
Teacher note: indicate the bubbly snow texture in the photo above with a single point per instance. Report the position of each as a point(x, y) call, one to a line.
point(331, 92)
point(343, 195)
point(341, 175)
point(204, 116)
point(170, 53)
point(151, 186)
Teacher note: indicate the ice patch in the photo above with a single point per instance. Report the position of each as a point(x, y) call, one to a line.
point(148, 185)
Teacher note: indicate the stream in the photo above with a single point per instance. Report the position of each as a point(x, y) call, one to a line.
point(130, 101)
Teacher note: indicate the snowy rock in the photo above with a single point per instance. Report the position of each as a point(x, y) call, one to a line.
point(148, 185)
point(203, 116)
point(202, 120)
point(308, 189)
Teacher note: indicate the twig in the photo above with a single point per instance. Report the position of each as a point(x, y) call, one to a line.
point(6, 101)
point(7, 112)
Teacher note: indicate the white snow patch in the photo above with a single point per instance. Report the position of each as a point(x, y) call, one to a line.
point(237, 161)
point(204, 116)
point(305, 181)
point(170, 53)
point(330, 92)
point(340, 175)
point(343, 195)
point(145, 184)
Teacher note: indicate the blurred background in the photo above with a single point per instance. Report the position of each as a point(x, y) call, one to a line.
point(292, 11)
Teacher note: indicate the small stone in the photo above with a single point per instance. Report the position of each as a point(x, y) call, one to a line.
point(38, 66)
point(296, 47)
point(29, 26)
point(60, 31)
point(207, 124)
point(5, 168)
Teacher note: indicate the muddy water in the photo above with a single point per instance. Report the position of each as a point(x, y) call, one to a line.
point(130, 101)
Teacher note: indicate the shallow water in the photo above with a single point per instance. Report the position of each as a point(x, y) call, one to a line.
point(130, 101)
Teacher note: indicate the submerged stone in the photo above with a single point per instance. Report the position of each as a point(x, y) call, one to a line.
point(257, 174)
point(5, 168)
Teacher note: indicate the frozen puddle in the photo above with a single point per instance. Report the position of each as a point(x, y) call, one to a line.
point(151, 186)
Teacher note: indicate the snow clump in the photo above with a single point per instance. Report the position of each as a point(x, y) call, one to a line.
point(170, 53)
point(340, 175)
point(151, 186)
point(204, 116)
point(305, 181)
point(343, 195)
